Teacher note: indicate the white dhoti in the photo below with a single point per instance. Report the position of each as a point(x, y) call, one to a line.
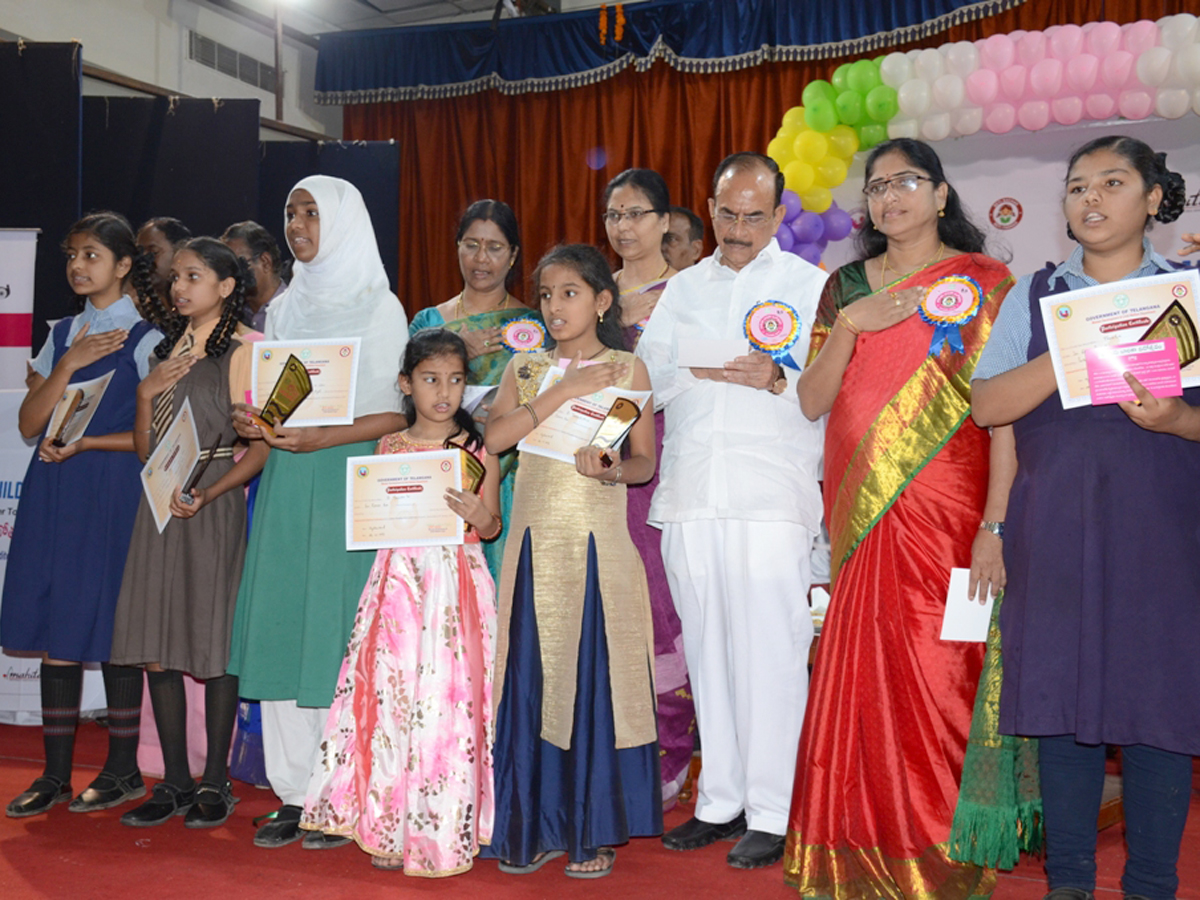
point(291, 746)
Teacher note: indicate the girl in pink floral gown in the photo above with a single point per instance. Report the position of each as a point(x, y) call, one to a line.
point(407, 765)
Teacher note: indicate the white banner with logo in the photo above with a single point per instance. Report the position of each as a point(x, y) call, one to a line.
point(20, 685)
point(1013, 186)
point(18, 247)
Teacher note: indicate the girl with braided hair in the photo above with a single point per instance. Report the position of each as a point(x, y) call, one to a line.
point(1099, 622)
point(175, 609)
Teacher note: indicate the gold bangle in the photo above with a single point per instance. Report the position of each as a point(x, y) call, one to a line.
point(532, 412)
point(499, 527)
point(845, 320)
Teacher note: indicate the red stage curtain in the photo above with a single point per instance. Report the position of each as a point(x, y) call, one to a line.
point(533, 150)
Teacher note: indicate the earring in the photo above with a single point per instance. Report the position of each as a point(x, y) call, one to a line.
point(602, 318)
point(941, 214)
point(1153, 212)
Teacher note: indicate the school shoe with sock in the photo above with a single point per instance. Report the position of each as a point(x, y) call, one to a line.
point(214, 804)
point(283, 828)
point(119, 779)
point(44, 793)
point(60, 687)
point(694, 833)
point(165, 801)
point(109, 790)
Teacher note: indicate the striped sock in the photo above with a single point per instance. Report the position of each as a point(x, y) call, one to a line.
point(123, 688)
point(61, 688)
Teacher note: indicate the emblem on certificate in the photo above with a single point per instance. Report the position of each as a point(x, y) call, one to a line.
point(615, 428)
point(773, 327)
point(293, 385)
point(950, 303)
point(523, 335)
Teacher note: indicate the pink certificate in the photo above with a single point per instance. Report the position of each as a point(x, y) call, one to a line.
point(1154, 363)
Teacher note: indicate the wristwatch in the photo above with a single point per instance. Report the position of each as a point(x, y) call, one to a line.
point(779, 385)
point(996, 528)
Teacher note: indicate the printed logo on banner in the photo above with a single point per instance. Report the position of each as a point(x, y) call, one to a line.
point(1005, 213)
point(858, 218)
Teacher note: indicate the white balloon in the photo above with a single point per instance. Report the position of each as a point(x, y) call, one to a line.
point(967, 120)
point(936, 126)
point(895, 69)
point(914, 97)
point(1187, 65)
point(930, 65)
point(912, 55)
point(1178, 31)
point(962, 58)
point(1196, 101)
point(903, 127)
point(949, 92)
point(1154, 66)
point(1171, 103)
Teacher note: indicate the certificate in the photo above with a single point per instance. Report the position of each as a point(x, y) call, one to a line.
point(1122, 312)
point(168, 468)
point(332, 366)
point(73, 413)
point(574, 424)
point(399, 500)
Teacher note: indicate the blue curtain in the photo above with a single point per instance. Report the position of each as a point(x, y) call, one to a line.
point(564, 51)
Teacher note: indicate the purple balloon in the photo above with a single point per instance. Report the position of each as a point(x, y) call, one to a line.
point(785, 237)
point(791, 202)
point(837, 223)
point(808, 252)
point(808, 227)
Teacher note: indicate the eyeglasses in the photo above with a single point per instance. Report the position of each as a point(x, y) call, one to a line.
point(904, 184)
point(613, 217)
point(752, 220)
point(494, 249)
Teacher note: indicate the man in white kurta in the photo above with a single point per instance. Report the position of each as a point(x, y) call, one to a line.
point(739, 505)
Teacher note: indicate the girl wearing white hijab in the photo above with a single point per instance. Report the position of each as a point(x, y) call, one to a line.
point(300, 586)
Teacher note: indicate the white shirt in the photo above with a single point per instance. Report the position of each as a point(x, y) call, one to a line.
point(731, 451)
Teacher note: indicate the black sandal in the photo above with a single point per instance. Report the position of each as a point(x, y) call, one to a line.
point(109, 790)
point(214, 804)
point(44, 793)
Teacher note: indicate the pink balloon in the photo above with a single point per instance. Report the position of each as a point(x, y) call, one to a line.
point(1139, 37)
point(1067, 110)
point(1034, 115)
point(1046, 78)
point(1082, 71)
point(1100, 106)
point(982, 86)
point(1118, 69)
point(1000, 119)
point(1066, 42)
point(1103, 39)
point(1031, 48)
point(1135, 104)
point(998, 53)
point(1013, 82)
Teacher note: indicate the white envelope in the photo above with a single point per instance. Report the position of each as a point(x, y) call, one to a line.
point(710, 353)
point(966, 619)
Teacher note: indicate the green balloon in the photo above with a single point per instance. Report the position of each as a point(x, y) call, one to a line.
point(816, 91)
point(881, 103)
point(864, 75)
point(840, 74)
point(849, 106)
point(871, 134)
point(820, 115)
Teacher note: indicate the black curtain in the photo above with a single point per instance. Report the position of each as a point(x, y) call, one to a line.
point(39, 162)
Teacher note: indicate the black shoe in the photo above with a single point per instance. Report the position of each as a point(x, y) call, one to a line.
point(317, 840)
point(109, 790)
point(44, 793)
point(694, 834)
point(282, 828)
point(165, 801)
point(1068, 893)
point(755, 850)
point(214, 804)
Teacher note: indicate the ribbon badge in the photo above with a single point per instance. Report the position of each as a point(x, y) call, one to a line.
point(773, 327)
point(949, 303)
point(523, 335)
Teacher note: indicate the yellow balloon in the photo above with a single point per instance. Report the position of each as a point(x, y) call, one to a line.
point(780, 150)
point(843, 141)
point(816, 199)
point(810, 146)
point(798, 176)
point(830, 171)
point(793, 119)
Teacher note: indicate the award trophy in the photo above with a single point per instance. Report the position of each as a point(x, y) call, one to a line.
point(615, 427)
point(472, 469)
point(289, 392)
point(186, 494)
point(72, 401)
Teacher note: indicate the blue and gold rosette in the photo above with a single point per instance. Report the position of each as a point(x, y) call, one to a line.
point(523, 335)
point(950, 303)
point(773, 327)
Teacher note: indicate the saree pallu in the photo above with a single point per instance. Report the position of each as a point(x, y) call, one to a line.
point(890, 703)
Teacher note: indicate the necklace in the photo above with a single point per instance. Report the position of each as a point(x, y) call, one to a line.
point(625, 291)
point(883, 269)
point(602, 351)
point(413, 441)
point(460, 310)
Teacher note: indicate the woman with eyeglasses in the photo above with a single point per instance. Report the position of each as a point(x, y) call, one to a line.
point(636, 216)
point(912, 488)
point(489, 245)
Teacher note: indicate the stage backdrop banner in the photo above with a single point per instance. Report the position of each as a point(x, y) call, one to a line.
point(20, 677)
point(18, 257)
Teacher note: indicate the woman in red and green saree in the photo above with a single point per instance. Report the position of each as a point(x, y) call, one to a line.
point(913, 488)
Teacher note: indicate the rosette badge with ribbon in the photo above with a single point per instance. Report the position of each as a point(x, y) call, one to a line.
point(950, 303)
point(773, 327)
point(523, 335)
